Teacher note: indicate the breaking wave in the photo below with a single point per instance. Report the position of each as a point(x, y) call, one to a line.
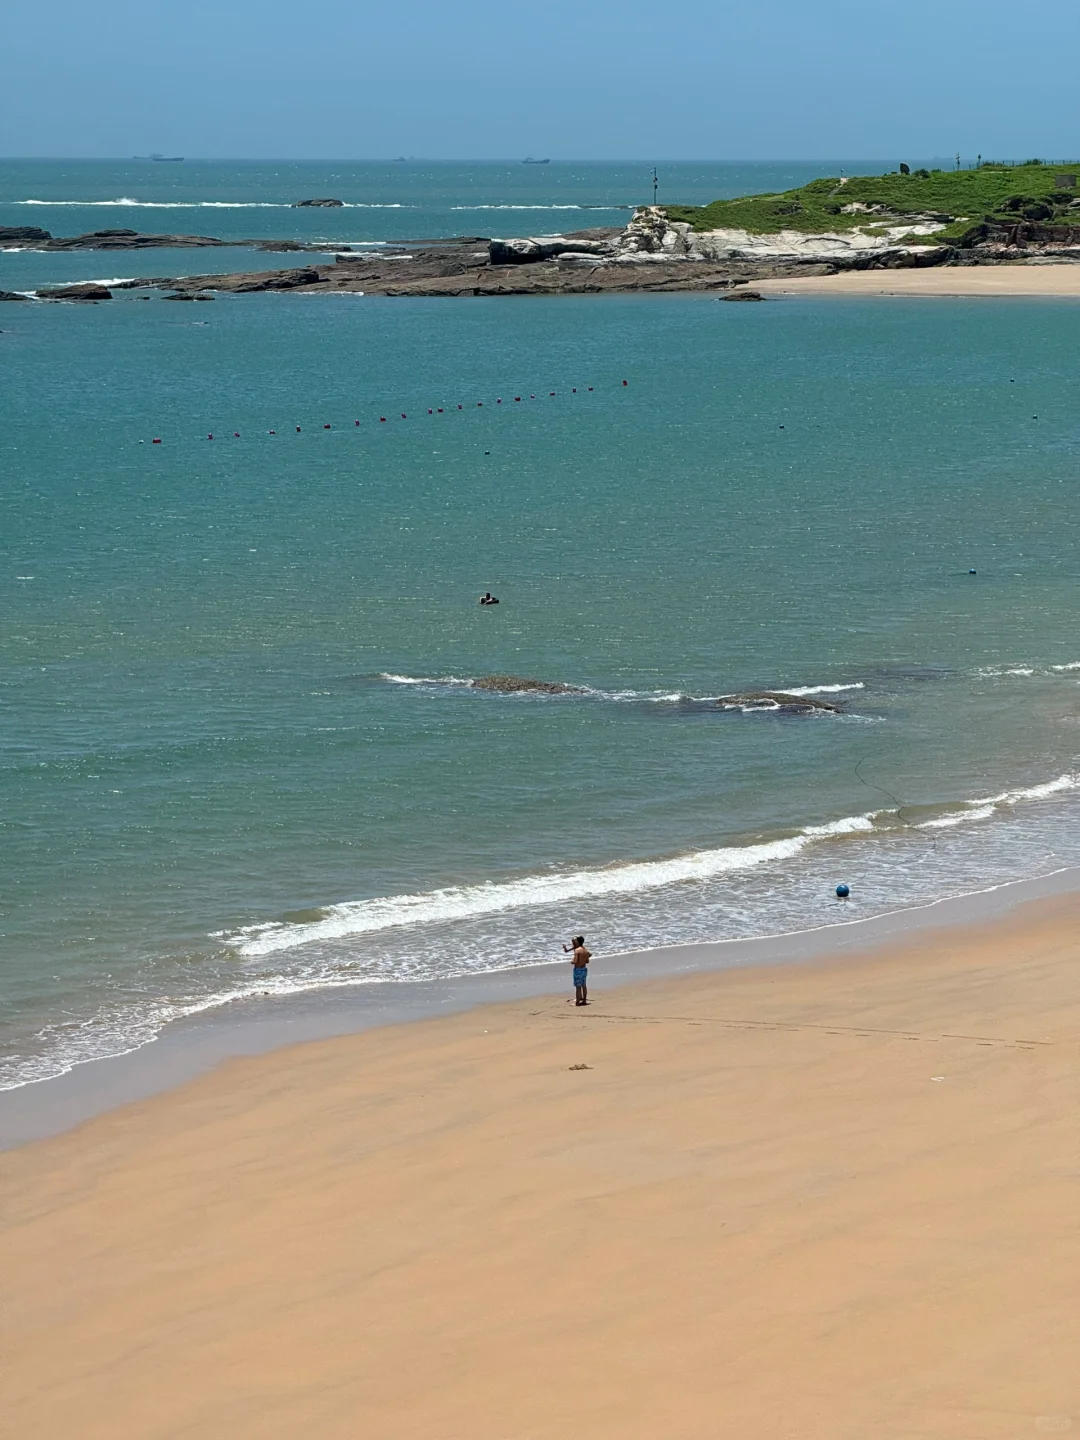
point(465, 902)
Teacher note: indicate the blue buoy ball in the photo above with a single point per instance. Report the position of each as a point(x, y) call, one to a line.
point(842, 892)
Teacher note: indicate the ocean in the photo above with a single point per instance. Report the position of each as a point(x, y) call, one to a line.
point(238, 751)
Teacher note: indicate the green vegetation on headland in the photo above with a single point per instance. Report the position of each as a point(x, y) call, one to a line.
point(959, 199)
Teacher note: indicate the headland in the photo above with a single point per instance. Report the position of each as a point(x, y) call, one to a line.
point(992, 216)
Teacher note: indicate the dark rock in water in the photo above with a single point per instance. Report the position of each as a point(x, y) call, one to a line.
point(278, 280)
point(186, 295)
point(10, 295)
point(773, 700)
point(518, 685)
point(130, 240)
point(22, 234)
point(76, 292)
point(318, 204)
point(743, 295)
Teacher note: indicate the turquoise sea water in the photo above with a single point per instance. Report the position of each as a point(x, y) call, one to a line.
point(235, 752)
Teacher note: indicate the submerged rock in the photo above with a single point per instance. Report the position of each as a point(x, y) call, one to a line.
point(319, 204)
point(519, 685)
point(743, 295)
point(776, 700)
point(11, 295)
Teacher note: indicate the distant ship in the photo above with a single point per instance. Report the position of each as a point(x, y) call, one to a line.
point(530, 161)
point(167, 159)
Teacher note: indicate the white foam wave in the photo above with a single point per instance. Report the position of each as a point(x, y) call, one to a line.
point(130, 203)
point(986, 806)
point(1072, 665)
point(115, 280)
point(423, 679)
point(465, 902)
point(820, 689)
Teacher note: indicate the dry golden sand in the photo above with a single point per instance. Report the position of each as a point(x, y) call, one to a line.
point(986, 280)
point(829, 1201)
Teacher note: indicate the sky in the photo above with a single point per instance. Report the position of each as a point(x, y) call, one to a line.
point(706, 80)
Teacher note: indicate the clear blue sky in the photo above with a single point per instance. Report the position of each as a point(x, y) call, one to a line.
point(703, 79)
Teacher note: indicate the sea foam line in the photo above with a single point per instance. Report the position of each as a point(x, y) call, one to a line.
point(987, 805)
point(466, 902)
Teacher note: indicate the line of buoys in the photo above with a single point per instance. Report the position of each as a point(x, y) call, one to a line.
point(432, 410)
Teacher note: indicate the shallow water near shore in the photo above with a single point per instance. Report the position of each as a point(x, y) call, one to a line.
point(236, 753)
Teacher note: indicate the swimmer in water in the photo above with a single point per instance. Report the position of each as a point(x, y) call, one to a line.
point(488, 599)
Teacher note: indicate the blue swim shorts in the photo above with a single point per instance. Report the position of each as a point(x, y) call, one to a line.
point(581, 975)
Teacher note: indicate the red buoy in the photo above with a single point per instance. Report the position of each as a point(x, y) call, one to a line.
point(273, 432)
point(155, 441)
point(236, 434)
point(440, 409)
point(430, 411)
point(574, 390)
point(209, 437)
point(403, 415)
point(356, 422)
point(382, 419)
point(326, 427)
point(552, 393)
point(626, 382)
point(298, 429)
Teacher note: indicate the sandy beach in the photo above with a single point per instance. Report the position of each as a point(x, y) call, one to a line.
point(948, 280)
point(829, 1200)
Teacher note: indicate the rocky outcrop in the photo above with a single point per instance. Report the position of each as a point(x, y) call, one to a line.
point(519, 685)
point(22, 235)
point(90, 292)
point(130, 240)
point(530, 251)
point(744, 295)
point(651, 236)
point(777, 700)
point(276, 280)
point(10, 295)
point(650, 233)
point(319, 204)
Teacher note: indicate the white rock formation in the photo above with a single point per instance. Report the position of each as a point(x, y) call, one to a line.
point(650, 235)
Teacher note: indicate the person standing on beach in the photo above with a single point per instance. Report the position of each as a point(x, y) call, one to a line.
point(581, 968)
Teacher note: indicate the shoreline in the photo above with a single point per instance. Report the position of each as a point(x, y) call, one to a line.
point(194, 1047)
point(826, 1199)
point(947, 282)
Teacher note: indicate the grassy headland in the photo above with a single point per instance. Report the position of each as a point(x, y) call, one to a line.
point(962, 198)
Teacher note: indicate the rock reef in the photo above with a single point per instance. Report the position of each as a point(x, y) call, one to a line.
point(778, 700)
point(89, 292)
point(520, 685)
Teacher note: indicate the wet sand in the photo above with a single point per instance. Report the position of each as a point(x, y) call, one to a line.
point(836, 1199)
point(986, 280)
